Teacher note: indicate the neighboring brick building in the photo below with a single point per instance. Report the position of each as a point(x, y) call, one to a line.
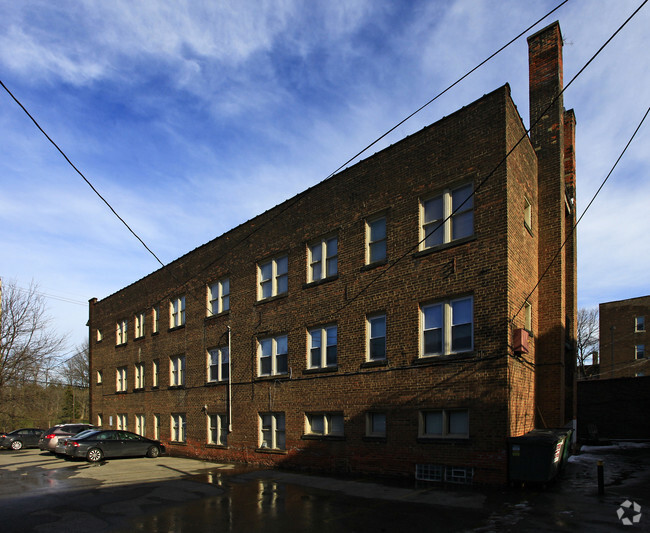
point(361, 337)
point(624, 338)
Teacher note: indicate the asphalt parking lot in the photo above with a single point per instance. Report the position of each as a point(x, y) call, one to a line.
point(39, 492)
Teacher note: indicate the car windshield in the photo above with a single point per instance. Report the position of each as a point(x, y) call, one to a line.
point(84, 433)
point(87, 433)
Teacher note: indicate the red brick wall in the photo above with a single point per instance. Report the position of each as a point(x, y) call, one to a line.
point(621, 315)
point(495, 266)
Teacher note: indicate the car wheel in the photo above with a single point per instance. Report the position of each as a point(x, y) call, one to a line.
point(94, 455)
point(153, 452)
point(16, 445)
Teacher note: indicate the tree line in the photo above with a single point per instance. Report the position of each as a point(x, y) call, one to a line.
point(38, 386)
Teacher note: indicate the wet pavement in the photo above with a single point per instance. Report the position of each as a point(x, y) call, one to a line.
point(41, 493)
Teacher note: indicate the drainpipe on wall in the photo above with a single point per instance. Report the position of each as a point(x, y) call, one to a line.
point(229, 384)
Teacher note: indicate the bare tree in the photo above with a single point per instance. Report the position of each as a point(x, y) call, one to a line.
point(75, 374)
point(587, 341)
point(27, 342)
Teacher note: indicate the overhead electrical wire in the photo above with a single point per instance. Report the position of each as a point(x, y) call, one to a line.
point(490, 174)
point(300, 196)
point(557, 253)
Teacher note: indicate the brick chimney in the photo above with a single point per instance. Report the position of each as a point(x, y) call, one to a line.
point(552, 137)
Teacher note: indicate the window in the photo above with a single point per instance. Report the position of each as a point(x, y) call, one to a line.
point(447, 327)
point(100, 420)
point(139, 375)
point(272, 432)
point(639, 351)
point(272, 356)
point(447, 217)
point(122, 421)
point(177, 427)
point(177, 312)
point(218, 430)
point(528, 316)
point(322, 346)
point(139, 325)
point(324, 424)
point(323, 259)
point(273, 278)
point(446, 423)
point(219, 297)
point(100, 336)
point(528, 214)
point(155, 316)
point(375, 424)
point(100, 377)
point(218, 364)
point(376, 240)
point(639, 323)
point(156, 427)
point(177, 371)
point(155, 367)
point(376, 334)
point(120, 336)
point(139, 425)
point(120, 379)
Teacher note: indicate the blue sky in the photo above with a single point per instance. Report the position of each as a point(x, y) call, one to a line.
point(192, 117)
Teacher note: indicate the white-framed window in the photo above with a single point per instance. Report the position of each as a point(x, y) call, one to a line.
point(218, 430)
point(218, 364)
point(272, 354)
point(177, 371)
point(100, 335)
point(639, 323)
point(447, 327)
point(219, 297)
point(177, 312)
point(272, 431)
point(376, 335)
point(139, 375)
point(100, 377)
point(444, 423)
point(324, 424)
point(156, 427)
point(639, 351)
point(528, 214)
point(528, 316)
point(323, 346)
point(120, 379)
point(323, 259)
point(155, 319)
point(120, 331)
point(100, 420)
point(375, 424)
point(139, 325)
point(375, 240)
point(273, 277)
point(447, 217)
point(140, 424)
point(155, 370)
point(177, 427)
point(122, 421)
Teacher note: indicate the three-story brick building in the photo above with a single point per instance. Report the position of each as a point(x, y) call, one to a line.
point(382, 321)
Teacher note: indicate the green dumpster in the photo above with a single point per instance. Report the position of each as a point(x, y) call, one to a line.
point(538, 455)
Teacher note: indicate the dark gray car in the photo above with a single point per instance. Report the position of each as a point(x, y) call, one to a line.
point(97, 445)
point(20, 438)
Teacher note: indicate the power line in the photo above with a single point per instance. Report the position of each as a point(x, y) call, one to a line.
point(79, 172)
point(583, 213)
point(300, 196)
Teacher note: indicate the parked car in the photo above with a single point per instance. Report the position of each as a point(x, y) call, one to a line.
point(51, 437)
point(59, 449)
point(20, 438)
point(97, 445)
